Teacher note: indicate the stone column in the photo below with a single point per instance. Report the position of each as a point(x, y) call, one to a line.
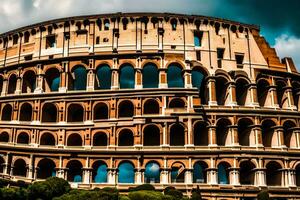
point(260, 177)
point(231, 100)
point(6, 164)
point(87, 175)
point(19, 85)
point(60, 171)
point(211, 84)
point(138, 176)
point(165, 142)
point(163, 83)
point(253, 95)
point(39, 80)
point(115, 75)
point(234, 138)
point(257, 136)
point(4, 90)
point(112, 176)
point(31, 172)
point(278, 137)
point(292, 178)
point(138, 79)
point(64, 77)
point(234, 174)
point(188, 176)
point(212, 136)
point(90, 80)
point(273, 94)
point(187, 79)
point(212, 173)
point(164, 176)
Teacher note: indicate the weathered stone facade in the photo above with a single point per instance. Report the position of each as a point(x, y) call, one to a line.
point(205, 99)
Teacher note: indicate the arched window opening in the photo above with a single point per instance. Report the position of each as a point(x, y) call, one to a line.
point(174, 76)
point(12, 84)
point(26, 112)
point(289, 136)
point(47, 139)
point(52, 77)
point(103, 77)
point(100, 139)
point(23, 138)
point(151, 106)
point(126, 109)
point(126, 172)
point(244, 132)
point(280, 89)
point(150, 76)
point(198, 81)
point(273, 174)
point(29, 82)
point(223, 131)
point(200, 134)
point(125, 138)
point(75, 113)
point(177, 136)
point(298, 175)
point(74, 140)
point(223, 173)
point(100, 111)
point(49, 113)
point(74, 171)
point(200, 172)
point(1, 84)
point(4, 137)
point(267, 130)
point(152, 173)
point(7, 112)
point(46, 169)
point(99, 172)
point(296, 93)
point(2, 163)
point(127, 77)
point(247, 173)
point(106, 24)
point(242, 87)
point(221, 90)
point(79, 76)
point(174, 24)
point(177, 173)
point(19, 168)
point(151, 136)
point(177, 103)
point(198, 35)
point(262, 91)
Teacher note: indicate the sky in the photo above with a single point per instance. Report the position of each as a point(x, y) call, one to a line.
point(279, 20)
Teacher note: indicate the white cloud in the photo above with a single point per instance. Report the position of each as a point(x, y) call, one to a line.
point(288, 46)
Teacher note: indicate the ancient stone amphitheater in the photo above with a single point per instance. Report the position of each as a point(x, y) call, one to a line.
point(173, 100)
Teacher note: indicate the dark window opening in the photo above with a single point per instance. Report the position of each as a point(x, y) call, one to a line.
point(220, 53)
point(151, 136)
point(15, 39)
point(126, 109)
point(50, 41)
point(125, 138)
point(100, 139)
point(26, 37)
point(198, 55)
point(239, 60)
point(97, 40)
point(198, 38)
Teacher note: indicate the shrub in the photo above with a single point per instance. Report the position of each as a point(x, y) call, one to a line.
point(39, 190)
point(145, 195)
point(13, 194)
point(143, 187)
point(3, 182)
point(124, 198)
point(171, 191)
point(263, 195)
point(58, 186)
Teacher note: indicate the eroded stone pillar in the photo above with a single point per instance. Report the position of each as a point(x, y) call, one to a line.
point(211, 84)
point(212, 136)
point(63, 84)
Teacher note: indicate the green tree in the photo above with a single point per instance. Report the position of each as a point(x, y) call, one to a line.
point(263, 195)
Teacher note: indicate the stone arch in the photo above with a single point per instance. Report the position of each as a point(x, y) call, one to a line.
point(223, 173)
point(25, 112)
point(151, 135)
point(79, 78)
point(200, 133)
point(177, 103)
point(74, 173)
point(281, 87)
point(222, 131)
point(100, 139)
point(177, 172)
point(7, 113)
point(127, 76)
point(101, 111)
point(242, 87)
point(267, 129)
point(125, 138)
point(273, 173)
point(289, 135)
point(52, 79)
point(103, 77)
point(245, 134)
point(74, 139)
point(1, 83)
point(151, 106)
point(150, 76)
point(297, 175)
point(23, 138)
point(152, 172)
point(263, 87)
point(200, 172)
point(126, 172)
point(177, 135)
point(49, 112)
point(4, 137)
point(199, 77)
point(28, 82)
point(99, 172)
point(222, 89)
point(20, 168)
point(247, 172)
point(296, 93)
point(47, 139)
point(125, 109)
point(46, 168)
point(75, 113)
point(12, 83)
point(174, 76)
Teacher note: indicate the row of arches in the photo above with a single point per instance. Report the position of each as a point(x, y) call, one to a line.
point(152, 135)
point(152, 172)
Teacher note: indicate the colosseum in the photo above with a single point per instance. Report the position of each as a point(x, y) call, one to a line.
point(129, 98)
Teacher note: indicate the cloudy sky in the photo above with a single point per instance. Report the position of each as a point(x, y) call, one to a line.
point(279, 20)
